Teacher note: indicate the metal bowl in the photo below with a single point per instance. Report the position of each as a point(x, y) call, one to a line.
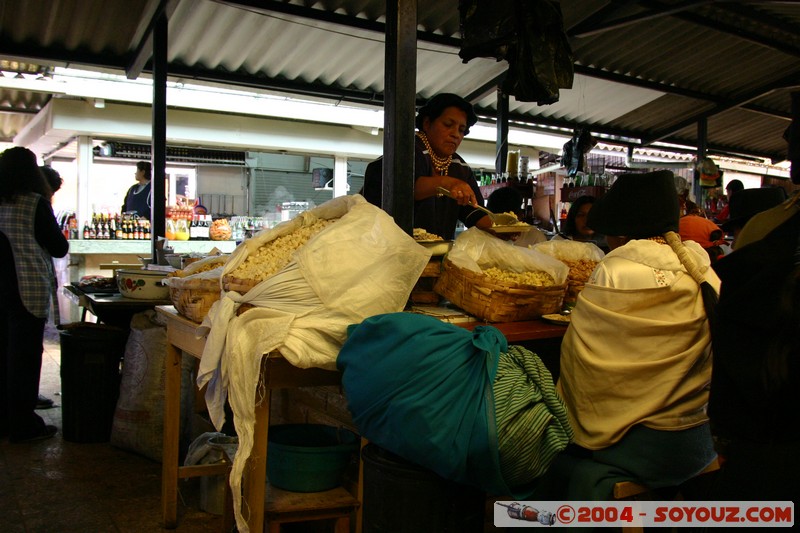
point(142, 284)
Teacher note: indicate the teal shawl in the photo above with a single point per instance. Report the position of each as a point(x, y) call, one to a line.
point(423, 389)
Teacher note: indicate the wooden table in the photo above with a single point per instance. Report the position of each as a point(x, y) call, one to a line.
point(276, 373)
point(528, 330)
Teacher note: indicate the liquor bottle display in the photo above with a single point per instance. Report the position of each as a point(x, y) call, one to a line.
point(113, 226)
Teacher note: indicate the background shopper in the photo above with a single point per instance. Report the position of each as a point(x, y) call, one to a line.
point(26, 280)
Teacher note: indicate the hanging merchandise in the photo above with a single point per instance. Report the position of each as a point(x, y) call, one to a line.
point(575, 150)
point(708, 173)
point(529, 35)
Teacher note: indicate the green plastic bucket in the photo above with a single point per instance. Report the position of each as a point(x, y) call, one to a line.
point(309, 457)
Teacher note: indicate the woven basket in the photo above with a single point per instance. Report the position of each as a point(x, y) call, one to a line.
point(195, 298)
point(493, 301)
point(573, 289)
point(229, 283)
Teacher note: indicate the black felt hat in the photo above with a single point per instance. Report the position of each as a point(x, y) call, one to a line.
point(748, 202)
point(637, 206)
point(436, 105)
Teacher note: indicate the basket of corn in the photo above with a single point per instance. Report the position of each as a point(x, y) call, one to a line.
point(265, 258)
point(580, 257)
point(194, 289)
point(497, 295)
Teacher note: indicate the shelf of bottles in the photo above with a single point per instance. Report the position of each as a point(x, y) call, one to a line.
point(175, 154)
point(112, 226)
point(489, 182)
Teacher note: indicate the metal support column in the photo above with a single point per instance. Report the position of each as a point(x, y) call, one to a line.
point(501, 146)
point(399, 111)
point(158, 146)
point(794, 139)
point(702, 146)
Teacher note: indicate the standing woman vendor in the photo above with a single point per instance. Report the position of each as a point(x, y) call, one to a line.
point(138, 196)
point(441, 124)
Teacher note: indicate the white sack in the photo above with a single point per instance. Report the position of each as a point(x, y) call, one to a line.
point(477, 250)
point(360, 266)
point(567, 250)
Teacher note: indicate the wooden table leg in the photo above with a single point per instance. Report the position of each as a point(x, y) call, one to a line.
point(172, 422)
point(255, 485)
point(360, 491)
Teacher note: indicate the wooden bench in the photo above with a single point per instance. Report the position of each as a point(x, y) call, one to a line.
point(631, 490)
point(283, 506)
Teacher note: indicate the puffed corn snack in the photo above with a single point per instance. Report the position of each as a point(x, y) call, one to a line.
point(537, 279)
point(580, 270)
point(274, 255)
point(421, 234)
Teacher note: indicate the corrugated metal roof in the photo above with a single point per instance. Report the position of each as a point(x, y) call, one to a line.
point(645, 70)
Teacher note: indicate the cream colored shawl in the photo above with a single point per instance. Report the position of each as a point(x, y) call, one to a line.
point(637, 355)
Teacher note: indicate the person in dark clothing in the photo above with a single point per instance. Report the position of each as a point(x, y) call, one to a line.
point(575, 227)
point(54, 180)
point(26, 276)
point(755, 381)
point(441, 124)
point(137, 199)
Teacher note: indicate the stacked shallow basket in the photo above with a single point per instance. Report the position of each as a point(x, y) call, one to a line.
point(574, 288)
point(494, 301)
point(194, 297)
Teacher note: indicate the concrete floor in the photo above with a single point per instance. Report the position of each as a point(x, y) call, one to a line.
point(59, 486)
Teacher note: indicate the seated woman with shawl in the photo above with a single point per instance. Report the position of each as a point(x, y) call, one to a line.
point(636, 360)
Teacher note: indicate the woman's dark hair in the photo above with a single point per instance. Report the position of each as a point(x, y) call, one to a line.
point(734, 186)
point(569, 224)
point(146, 167)
point(505, 200)
point(436, 106)
point(52, 176)
point(20, 174)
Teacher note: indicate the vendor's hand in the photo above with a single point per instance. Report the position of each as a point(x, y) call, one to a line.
point(462, 192)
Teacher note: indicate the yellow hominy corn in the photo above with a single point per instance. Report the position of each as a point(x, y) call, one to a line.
point(537, 278)
point(277, 253)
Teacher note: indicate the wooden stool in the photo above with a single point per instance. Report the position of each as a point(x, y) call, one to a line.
point(630, 490)
point(282, 506)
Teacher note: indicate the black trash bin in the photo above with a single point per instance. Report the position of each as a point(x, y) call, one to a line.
point(402, 497)
point(90, 374)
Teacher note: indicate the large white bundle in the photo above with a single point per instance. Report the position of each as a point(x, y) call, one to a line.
point(361, 265)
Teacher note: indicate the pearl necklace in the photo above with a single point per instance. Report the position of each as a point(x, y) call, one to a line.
point(659, 239)
point(440, 164)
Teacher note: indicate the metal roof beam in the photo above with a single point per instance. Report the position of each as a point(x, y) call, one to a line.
point(144, 50)
point(600, 23)
point(738, 31)
point(791, 80)
point(616, 136)
point(672, 89)
point(265, 7)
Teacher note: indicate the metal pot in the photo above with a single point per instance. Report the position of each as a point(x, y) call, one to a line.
point(142, 284)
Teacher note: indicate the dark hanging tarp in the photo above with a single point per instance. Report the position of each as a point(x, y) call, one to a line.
point(529, 35)
point(575, 151)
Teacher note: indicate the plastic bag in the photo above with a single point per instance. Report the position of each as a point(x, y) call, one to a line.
point(566, 250)
point(477, 250)
point(201, 452)
point(530, 36)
